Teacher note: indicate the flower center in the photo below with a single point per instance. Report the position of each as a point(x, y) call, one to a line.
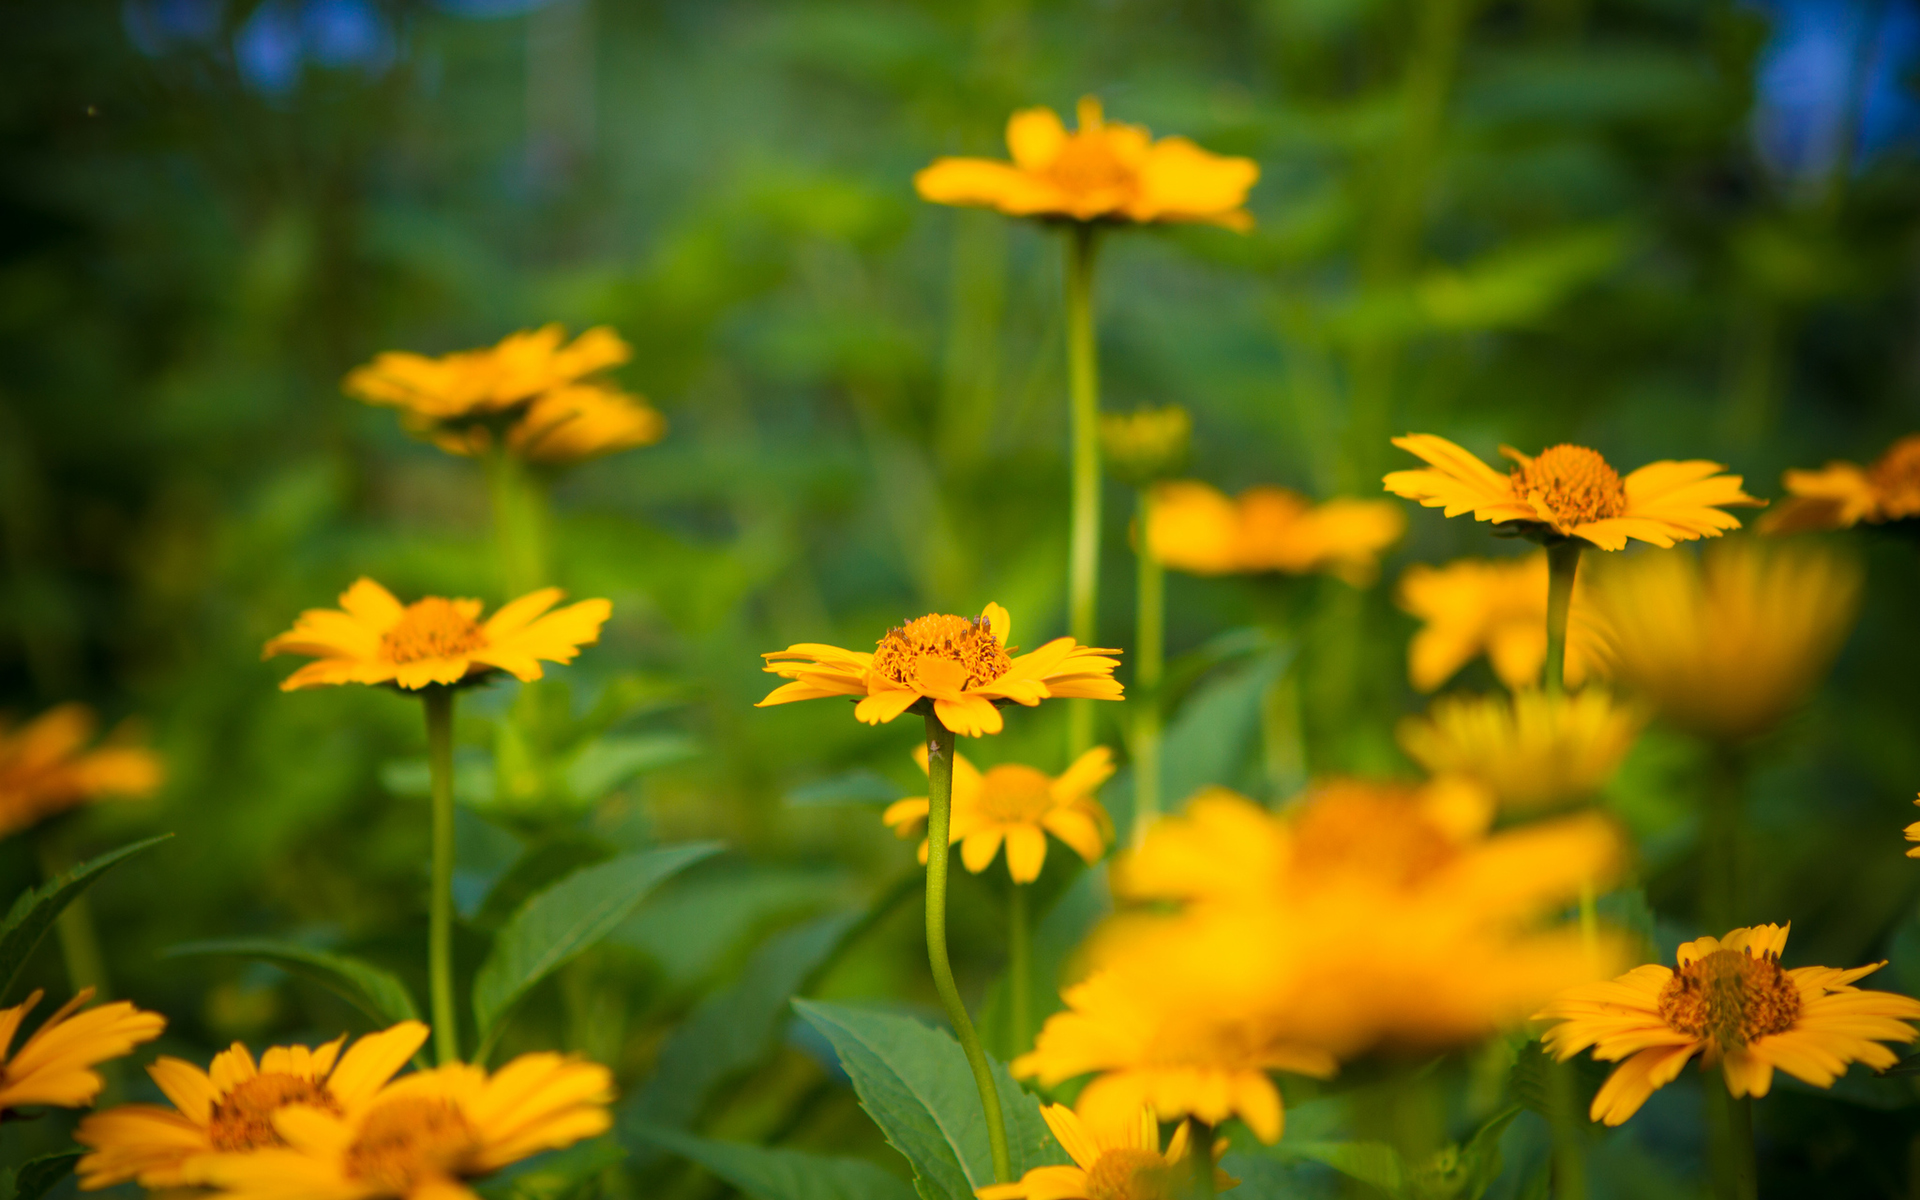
point(1127, 1173)
point(410, 1141)
point(1896, 477)
point(1088, 164)
point(1575, 484)
point(1012, 792)
point(243, 1118)
point(968, 641)
point(431, 628)
point(1730, 997)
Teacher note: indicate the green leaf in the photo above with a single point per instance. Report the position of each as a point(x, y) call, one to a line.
point(607, 762)
point(373, 990)
point(1215, 729)
point(1369, 1162)
point(539, 868)
point(561, 1175)
point(37, 908)
point(1541, 1084)
point(38, 1176)
point(556, 925)
point(854, 787)
point(1463, 1172)
point(914, 1082)
point(770, 1174)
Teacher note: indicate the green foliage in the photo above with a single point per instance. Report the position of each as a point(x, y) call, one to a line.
point(37, 1176)
point(375, 992)
point(772, 1174)
point(35, 911)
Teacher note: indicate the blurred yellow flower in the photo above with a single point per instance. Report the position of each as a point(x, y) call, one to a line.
point(229, 1107)
point(1117, 1161)
point(1533, 751)
point(478, 383)
point(1913, 835)
point(1570, 491)
point(1841, 494)
point(373, 638)
point(1726, 644)
point(1100, 171)
point(55, 1065)
point(1140, 447)
point(1497, 607)
point(963, 665)
point(1732, 1003)
point(424, 1135)
point(1194, 527)
point(573, 424)
point(46, 769)
point(1020, 805)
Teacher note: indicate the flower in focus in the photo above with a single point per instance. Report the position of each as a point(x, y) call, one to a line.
point(1725, 645)
point(962, 664)
point(1196, 528)
point(55, 1065)
point(1100, 171)
point(423, 1135)
point(1117, 1161)
point(1493, 606)
point(229, 1107)
point(373, 638)
point(45, 767)
point(1532, 751)
point(1840, 495)
point(1732, 1003)
point(1570, 491)
point(1020, 805)
point(1140, 447)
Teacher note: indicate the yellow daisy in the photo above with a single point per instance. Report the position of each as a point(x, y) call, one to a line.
point(1913, 835)
point(45, 767)
point(373, 638)
point(1020, 806)
point(55, 1065)
point(1532, 751)
point(1496, 607)
point(1841, 494)
point(1732, 1003)
point(1194, 527)
point(1569, 491)
point(1099, 172)
point(424, 1135)
point(478, 383)
point(962, 665)
point(1120, 1161)
point(229, 1107)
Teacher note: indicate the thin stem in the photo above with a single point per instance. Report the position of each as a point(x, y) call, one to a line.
point(519, 523)
point(1199, 1161)
point(1730, 1143)
point(1563, 563)
point(1569, 1134)
point(1149, 661)
point(939, 813)
point(1020, 967)
point(446, 1032)
point(1083, 387)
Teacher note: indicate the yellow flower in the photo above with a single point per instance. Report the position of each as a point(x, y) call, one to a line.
point(573, 424)
point(1117, 1161)
point(1196, 528)
point(423, 1135)
point(1493, 606)
point(1570, 491)
point(1728, 644)
point(373, 638)
point(1020, 805)
point(1913, 835)
point(1532, 751)
point(229, 1108)
point(1841, 495)
point(479, 383)
point(46, 769)
point(55, 1065)
point(962, 664)
point(1098, 172)
point(1140, 447)
point(1732, 1003)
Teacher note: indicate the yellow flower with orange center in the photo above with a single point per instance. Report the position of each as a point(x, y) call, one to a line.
point(1569, 491)
point(962, 666)
point(1840, 495)
point(1496, 607)
point(1100, 172)
point(229, 1108)
point(423, 1136)
point(1532, 751)
point(1732, 1003)
point(1117, 1160)
point(373, 638)
point(1194, 527)
point(45, 767)
point(56, 1065)
point(1019, 805)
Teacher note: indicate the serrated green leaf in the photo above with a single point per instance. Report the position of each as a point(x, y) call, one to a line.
point(373, 990)
point(1463, 1172)
point(1540, 1084)
point(37, 908)
point(770, 1174)
point(38, 1176)
point(559, 923)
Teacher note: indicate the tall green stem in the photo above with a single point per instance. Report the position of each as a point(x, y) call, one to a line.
point(1083, 552)
point(939, 817)
point(519, 523)
point(1569, 1124)
point(1020, 967)
point(1199, 1183)
point(1149, 663)
point(1569, 1134)
point(446, 1033)
point(1563, 563)
point(1730, 1142)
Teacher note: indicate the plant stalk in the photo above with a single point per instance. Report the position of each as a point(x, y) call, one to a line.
point(1569, 1134)
point(1149, 664)
point(1020, 967)
point(1730, 1143)
point(1199, 1161)
point(520, 522)
point(1563, 563)
point(1083, 388)
point(446, 1032)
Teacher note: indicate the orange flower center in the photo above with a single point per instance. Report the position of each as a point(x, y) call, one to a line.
point(1129, 1174)
point(1896, 479)
point(1731, 997)
point(1087, 163)
point(410, 1141)
point(1350, 829)
point(1575, 484)
point(1013, 793)
point(968, 641)
point(243, 1118)
point(431, 628)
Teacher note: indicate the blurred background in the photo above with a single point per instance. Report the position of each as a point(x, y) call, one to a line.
point(1662, 228)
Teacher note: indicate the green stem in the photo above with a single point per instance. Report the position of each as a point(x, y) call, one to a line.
point(939, 814)
point(1720, 906)
point(79, 938)
point(1563, 563)
point(519, 523)
point(1020, 968)
point(1199, 1161)
point(1149, 663)
point(1569, 1134)
point(1730, 1143)
point(1083, 386)
point(446, 1033)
